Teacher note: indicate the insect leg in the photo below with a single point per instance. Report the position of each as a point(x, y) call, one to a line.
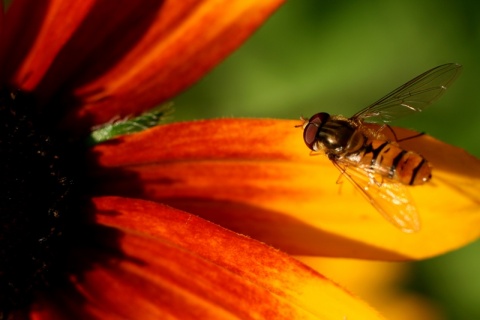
point(342, 172)
point(403, 139)
point(317, 153)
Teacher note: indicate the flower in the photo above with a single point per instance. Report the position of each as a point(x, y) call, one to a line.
point(107, 231)
point(69, 248)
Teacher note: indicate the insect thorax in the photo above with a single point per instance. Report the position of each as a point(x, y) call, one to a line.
point(340, 137)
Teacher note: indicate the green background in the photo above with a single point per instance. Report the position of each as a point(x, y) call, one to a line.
point(340, 56)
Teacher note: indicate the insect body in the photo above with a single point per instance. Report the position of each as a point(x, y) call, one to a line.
point(380, 168)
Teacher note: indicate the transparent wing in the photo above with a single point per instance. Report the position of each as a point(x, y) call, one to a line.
point(389, 197)
point(413, 96)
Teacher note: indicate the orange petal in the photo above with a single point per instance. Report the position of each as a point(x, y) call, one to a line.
point(256, 177)
point(185, 40)
point(178, 265)
point(118, 65)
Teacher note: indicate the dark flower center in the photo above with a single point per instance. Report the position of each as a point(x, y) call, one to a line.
point(35, 194)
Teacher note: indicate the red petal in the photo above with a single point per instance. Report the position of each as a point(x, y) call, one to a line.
point(256, 177)
point(35, 32)
point(120, 64)
point(178, 265)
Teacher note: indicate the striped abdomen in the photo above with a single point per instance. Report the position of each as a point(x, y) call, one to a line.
point(389, 160)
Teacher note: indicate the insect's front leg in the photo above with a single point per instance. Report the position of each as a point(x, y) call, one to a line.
point(304, 122)
point(317, 153)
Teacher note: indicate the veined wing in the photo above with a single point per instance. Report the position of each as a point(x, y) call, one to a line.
point(413, 96)
point(390, 197)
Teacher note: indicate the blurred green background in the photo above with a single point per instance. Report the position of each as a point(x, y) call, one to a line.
point(340, 56)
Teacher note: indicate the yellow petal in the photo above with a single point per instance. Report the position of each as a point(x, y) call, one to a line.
point(256, 177)
point(380, 283)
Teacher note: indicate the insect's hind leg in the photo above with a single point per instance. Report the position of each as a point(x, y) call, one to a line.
point(403, 139)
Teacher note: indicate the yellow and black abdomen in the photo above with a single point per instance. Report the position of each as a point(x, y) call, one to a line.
point(390, 160)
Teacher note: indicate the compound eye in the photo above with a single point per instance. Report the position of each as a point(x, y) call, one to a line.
point(319, 118)
point(315, 123)
point(310, 134)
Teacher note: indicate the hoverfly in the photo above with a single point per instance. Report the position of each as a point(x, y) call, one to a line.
point(380, 168)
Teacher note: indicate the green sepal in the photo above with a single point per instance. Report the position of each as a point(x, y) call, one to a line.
point(116, 128)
